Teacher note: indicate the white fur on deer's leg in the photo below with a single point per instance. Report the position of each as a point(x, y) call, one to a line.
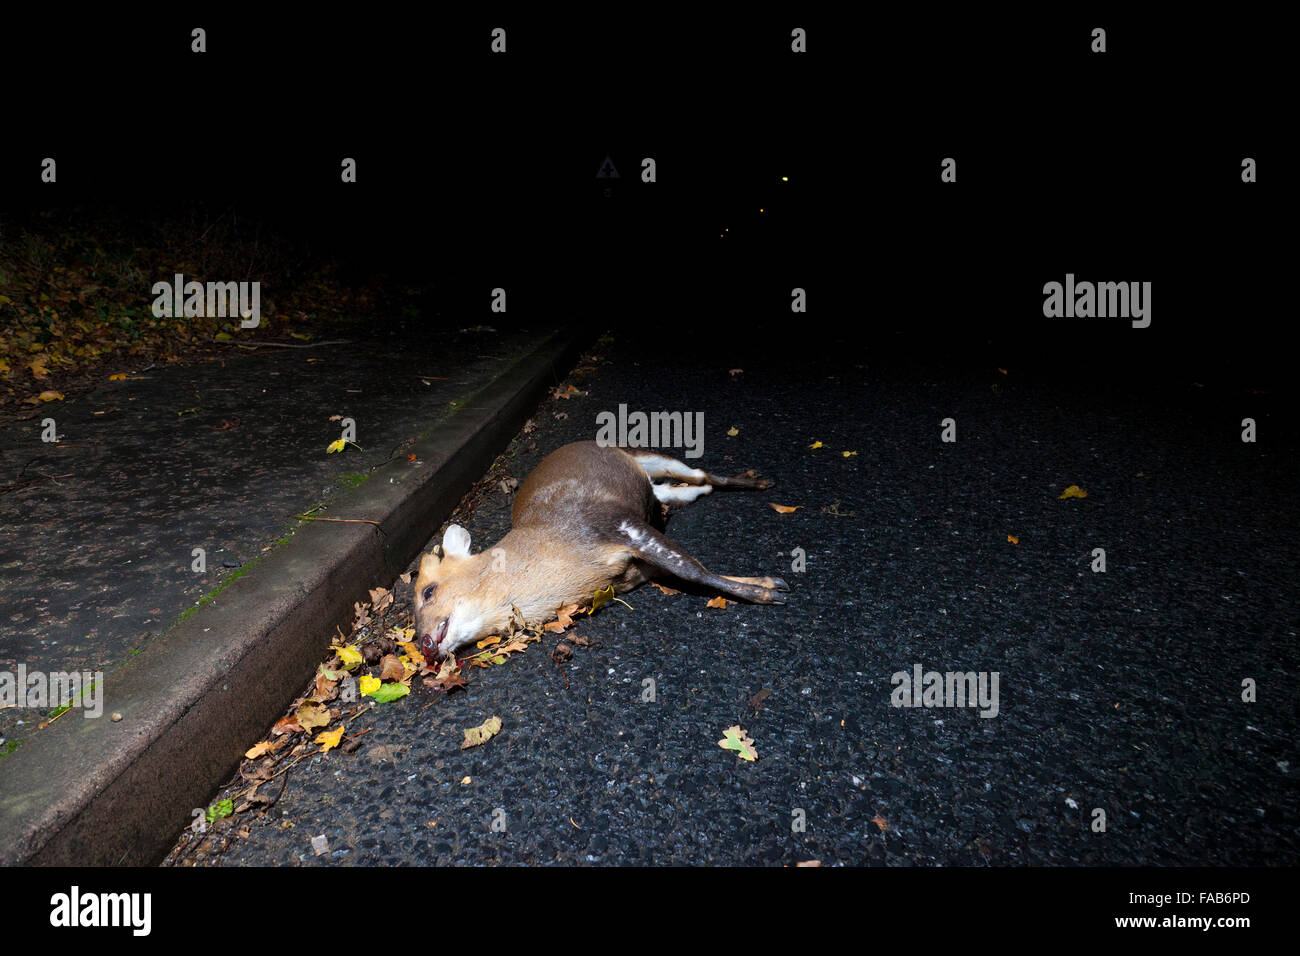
point(661, 466)
point(680, 494)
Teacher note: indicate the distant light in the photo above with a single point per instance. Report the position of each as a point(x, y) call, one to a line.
point(726, 230)
point(785, 179)
point(760, 210)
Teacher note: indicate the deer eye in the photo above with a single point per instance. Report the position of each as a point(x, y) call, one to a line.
point(428, 592)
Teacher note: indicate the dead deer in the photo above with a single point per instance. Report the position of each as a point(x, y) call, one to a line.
point(587, 517)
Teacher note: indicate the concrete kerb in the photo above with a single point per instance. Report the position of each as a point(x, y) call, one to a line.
point(105, 792)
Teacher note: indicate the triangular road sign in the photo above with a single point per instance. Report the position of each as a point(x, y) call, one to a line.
point(607, 170)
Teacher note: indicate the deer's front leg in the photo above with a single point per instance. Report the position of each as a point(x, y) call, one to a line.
point(659, 552)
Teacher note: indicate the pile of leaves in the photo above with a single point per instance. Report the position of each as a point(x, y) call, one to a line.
point(76, 292)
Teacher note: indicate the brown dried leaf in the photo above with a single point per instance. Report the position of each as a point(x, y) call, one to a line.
point(391, 668)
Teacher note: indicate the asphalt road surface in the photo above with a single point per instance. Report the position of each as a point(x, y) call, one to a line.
point(1118, 735)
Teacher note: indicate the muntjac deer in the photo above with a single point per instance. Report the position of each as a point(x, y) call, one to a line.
point(587, 517)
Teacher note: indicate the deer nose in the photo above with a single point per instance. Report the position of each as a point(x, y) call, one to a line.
point(429, 642)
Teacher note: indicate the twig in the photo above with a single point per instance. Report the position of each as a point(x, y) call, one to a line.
point(28, 482)
point(341, 520)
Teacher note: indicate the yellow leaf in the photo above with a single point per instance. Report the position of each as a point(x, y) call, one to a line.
point(255, 751)
point(312, 715)
point(223, 337)
point(44, 397)
point(488, 642)
point(329, 739)
point(733, 431)
point(784, 509)
point(719, 602)
point(816, 444)
point(349, 655)
point(368, 684)
point(38, 367)
point(601, 597)
point(848, 454)
point(1013, 539)
point(1074, 491)
point(117, 376)
point(336, 445)
point(474, 736)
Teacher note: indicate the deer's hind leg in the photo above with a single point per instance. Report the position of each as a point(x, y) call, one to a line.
point(656, 465)
point(660, 553)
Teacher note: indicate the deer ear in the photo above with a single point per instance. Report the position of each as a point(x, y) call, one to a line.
point(429, 563)
point(455, 542)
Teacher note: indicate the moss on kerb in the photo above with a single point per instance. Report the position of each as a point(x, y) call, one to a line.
point(352, 480)
point(234, 575)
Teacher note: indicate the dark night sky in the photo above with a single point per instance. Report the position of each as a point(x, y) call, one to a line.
point(477, 168)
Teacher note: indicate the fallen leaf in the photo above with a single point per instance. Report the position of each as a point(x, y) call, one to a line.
point(336, 445)
point(329, 739)
point(816, 444)
point(1013, 539)
point(719, 602)
point(784, 509)
point(38, 368)
point(1074, 491)
point(386, 693)
point(809, 863)
point(735, 738)
point(668, 591)
point(255, 751)
point(601, 597)
point(879, 821)
point(349, 655)
point(390, 668)
point(326, 686)
point(848, 454)
point(450, 681)
point(733, 431)
point(286, 725)
point(476, 736)
point(44, 397)
point(312, 715)
point(117, 377)
point(380, 598)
